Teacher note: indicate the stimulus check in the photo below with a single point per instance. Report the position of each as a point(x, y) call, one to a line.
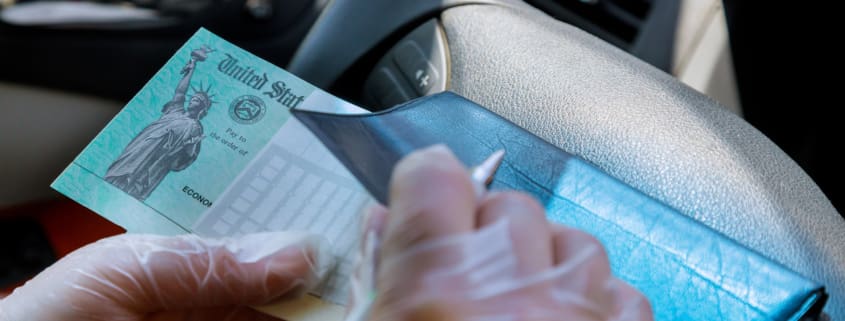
point(208, 146)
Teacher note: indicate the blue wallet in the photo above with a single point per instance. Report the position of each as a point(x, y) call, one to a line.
point(687, 270)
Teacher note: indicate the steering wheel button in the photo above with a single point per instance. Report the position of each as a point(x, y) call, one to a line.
point(386, 89)
point(415, 67)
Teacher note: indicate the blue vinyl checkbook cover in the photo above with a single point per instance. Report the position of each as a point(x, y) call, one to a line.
point(687, 270)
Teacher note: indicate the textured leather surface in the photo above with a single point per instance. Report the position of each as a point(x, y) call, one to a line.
point(650, 131)
point(687, 270)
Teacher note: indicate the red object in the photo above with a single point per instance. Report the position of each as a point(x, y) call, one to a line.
point(67, 225)
point(70, 226)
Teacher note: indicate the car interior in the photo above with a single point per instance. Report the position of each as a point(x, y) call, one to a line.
point(657, 93)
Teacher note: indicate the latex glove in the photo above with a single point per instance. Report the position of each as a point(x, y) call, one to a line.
point(448, 256)
point(144, 277)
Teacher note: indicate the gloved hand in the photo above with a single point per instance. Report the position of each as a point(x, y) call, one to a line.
point(447, 256)
point(144, 277)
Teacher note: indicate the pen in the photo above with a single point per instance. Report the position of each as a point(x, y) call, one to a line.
point(480, 175)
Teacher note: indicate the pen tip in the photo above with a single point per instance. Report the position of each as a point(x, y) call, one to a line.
point(497, 157)
point(484, 171)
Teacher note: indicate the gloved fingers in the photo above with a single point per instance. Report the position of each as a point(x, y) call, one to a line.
point(375, 219)
point(431, 197)
point(238, 313)
point(584, 262)
point(445, 254)
point(630, 304)
point(569, 242)
point(124, 277)
point(528, 228)
point(150, 273)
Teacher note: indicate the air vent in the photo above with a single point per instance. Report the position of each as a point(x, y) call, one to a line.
point(615, 21)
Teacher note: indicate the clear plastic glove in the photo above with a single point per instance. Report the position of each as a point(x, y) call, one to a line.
point(144, 277)
point(447, 256)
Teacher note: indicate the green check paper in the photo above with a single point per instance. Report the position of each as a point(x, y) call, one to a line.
point(208, 146)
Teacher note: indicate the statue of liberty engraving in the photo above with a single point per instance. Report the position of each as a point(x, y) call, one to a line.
point(171, 143)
